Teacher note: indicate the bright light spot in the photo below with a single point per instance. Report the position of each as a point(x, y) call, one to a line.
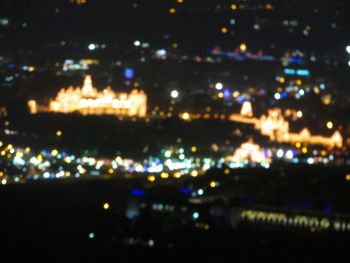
point(234, 7)
point(3, 181)
point(219, 86)
point(167, 154)
point(299, 114)
point(289, 154)
point(164, 175)
point(201, 192)
point(194, 173)
point(193, 149)
point(195, 215)
point(137, 43)
point(186, 116)
point(212, 184)
point(348, 49)
point(280, 153)
point(282, 80)
point(301, 92)
point(227, 171)
point(243, 47)
point(181, 156)
point(347, 177)
point(174, 94)
point(106, 206)
point(91, 235)
point(224, 30)
point(92, 47)
point(304, 150)
point(54, 152)
point(330, 125)
point(59, 133)
point(151, 178)
point(310, 160)
point(277, 96)
point(220, 95)
point(172, 10)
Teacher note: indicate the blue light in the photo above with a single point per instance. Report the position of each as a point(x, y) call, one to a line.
point(303, 72)
point(296, 60)
point(185, 191)
point(138, 192)
point(289, 71)
point(227, 94)
point(129, 73)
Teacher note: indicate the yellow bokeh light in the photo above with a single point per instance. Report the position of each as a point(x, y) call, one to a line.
point(224, 30)
point(234, 7)
point(151, 178)
point(194, 173)
point(59, 133)
point(212, 184)
point(185, 116)
point(243, 47)
point(193, 149)
point(330, 125)
point(164, 175)
point(304, 150)
point(172, 10)
point(106, 206)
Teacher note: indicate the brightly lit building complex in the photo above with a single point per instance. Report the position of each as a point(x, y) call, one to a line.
point(251, 153)
point(277, 128)
point(89, 101)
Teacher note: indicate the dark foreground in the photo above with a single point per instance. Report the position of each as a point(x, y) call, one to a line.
point(66, 222)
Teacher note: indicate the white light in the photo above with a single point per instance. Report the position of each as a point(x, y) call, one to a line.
point(280, 153)
point(92, 47)
point(277, 96)
point(137, 43)
point(200, 192)
point(161, 52)
point(174, 94)
point(299, 114)
point(301, 92)
point(348, 49)
point(289, 154)
point(310, 160)
point(3, 181)
point(195, 215)
point(91, 235)
point(219, 86)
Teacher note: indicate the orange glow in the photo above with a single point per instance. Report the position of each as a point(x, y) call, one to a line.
point(89, 101)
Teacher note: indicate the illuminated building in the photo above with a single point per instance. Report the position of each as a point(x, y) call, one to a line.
point(250, 152)
point(247, 109)
point(277, 129)
point(89, 101)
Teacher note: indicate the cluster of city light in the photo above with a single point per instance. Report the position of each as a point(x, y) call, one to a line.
point(295, 220)
point(277, 128)
point(89, 101)
point(173, 162)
